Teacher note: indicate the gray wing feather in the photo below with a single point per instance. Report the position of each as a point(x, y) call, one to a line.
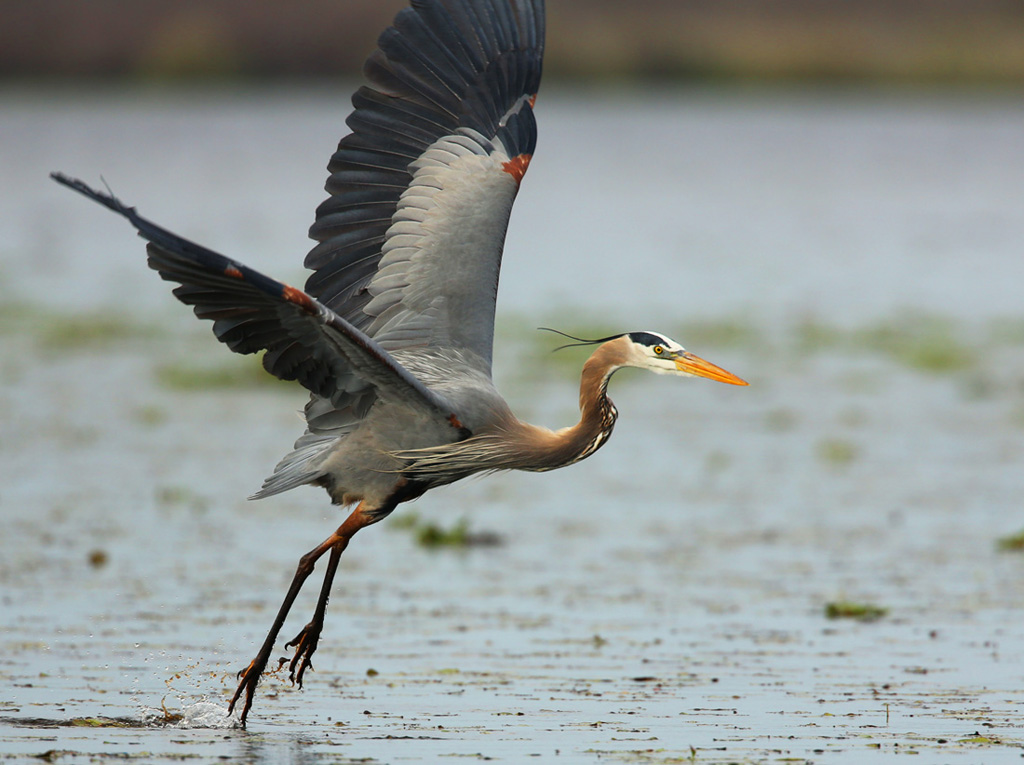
point(437, 279)
point(299, 467)
point(410, 239)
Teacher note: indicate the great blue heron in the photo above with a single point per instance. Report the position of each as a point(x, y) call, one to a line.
point(393, 333)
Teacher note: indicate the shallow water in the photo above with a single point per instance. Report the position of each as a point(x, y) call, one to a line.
point(856, 257)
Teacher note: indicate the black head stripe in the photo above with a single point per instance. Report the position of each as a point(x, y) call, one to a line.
point(647, 338)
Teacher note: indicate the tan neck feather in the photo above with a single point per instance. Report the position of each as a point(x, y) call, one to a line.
point(545, 449)
point(597, 369)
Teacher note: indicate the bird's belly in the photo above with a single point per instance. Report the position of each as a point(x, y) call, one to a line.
point(363, 465)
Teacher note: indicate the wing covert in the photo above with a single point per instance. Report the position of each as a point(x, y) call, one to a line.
point(410, 239)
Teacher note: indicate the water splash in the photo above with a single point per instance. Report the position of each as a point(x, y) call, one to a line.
point(192, 715)
point(206, 714)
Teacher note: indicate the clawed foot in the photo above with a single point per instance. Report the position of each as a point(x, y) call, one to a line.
point(249, 678)
point(305, 646)
point(306, 641)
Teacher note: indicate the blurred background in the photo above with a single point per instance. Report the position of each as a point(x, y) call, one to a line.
point(826, 197)
point(921, 41)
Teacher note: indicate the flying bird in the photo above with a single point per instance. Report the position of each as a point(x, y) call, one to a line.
point(393, 333)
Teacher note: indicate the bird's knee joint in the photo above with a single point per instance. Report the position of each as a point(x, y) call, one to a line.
point(308, 562)
point(306, 565)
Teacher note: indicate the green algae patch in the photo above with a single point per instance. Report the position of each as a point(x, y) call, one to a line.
point(837, 451)
point(228, 374)
point(431, 535)
point(727, 332)
point(1011, 542)
point(980, 739)
point(813, 336)
point(91, 332)
point(100, 722)
point(862, 612)
point(55, 331)
point(925, 343)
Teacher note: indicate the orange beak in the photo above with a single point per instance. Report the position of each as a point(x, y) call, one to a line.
point(695, 365)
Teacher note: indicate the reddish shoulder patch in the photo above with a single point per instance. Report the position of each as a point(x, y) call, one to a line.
point(233, 272)
point(300, 298)
point(454, 422)
point(516, 167)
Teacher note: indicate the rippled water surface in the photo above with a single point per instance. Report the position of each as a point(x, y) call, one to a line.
point(856, 257)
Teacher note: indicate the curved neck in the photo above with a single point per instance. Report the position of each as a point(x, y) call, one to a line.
point(597, 414)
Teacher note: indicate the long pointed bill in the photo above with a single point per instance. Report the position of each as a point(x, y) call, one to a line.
point(695, 365)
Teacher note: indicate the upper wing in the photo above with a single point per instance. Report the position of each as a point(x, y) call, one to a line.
point(411, 237)
point(303, 339)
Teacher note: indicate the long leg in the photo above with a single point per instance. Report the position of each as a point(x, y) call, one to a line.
point(307, 639)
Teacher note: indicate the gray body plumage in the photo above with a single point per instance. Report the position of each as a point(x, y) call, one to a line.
point(361, 457)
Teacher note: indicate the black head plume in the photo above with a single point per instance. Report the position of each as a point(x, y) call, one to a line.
point(579, 340)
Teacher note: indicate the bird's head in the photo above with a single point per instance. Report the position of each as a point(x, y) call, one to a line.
point(649, 350)
point(661, 354)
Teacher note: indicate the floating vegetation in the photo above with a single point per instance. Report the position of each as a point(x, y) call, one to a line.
point(980, 387)
point(846, 609)
point(927, 343)
point(812, 336)
point(90, 332)
point(837, 451)
point(717, 461)
point(98, 558)
point(431, 535)
point(780, 419)
point(979, 739)
point(55, 331)
point(181, 496)
point(924, 342)
point(854, 417)
point(100, 722)
point(1006, 331)
point(721, 333)
point(1011, 542)
point(230, 373)
point(149, 415)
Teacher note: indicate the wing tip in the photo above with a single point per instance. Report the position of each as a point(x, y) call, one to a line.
point(107, 200)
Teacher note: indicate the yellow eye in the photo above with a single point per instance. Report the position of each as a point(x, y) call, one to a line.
point(658, 350)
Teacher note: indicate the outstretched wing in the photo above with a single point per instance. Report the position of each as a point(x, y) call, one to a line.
point(304, 340)
point(410, 240)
